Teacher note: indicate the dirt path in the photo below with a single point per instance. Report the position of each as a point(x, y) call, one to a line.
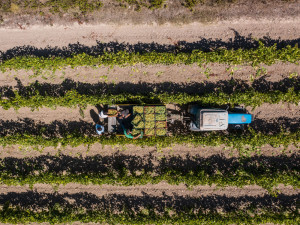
point(43, 36)
point(180, 150)
point(156, 189)
point(47, 115)
point(153, 74)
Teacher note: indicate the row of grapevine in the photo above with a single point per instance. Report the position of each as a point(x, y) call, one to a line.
point(244, 142)
point(58, 215)
point(254, 57)
point(72, 98)
point(60, 170)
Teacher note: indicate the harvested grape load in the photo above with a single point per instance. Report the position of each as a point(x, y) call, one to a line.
point(150, 131)
point(149, 109)
point(160, 124)
point(140, 125)
point(112, 112)
point(160, 117)
point(161, 132)
point(138, 109)
point(149, 124)
point(136, 131)
point(149, 117)
point(137, 119)
point(160, 109)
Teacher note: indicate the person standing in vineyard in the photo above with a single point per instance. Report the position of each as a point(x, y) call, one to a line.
point(128, 133)
point(124, 114)
point(99, 129)
point(106, 114)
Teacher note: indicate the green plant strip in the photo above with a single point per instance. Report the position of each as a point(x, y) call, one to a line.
point(244, 142)
point(72, 98)
point(239, 177)
point(254, 57)
point(65, 215)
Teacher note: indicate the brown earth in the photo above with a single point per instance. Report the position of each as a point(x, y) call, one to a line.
point(185, 74)
point(174, 12)
point(181, 150)
point(151, 189)
point(46, 115)
point(58, 35)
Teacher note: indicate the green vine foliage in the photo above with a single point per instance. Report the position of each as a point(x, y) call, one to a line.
point(150, 4)
point(245, 142)
point(72, 99)
point(60, 215)
point(261, 175)
point(254, 57)
point(54, 6)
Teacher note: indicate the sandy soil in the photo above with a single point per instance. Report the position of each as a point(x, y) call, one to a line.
point(174, 12)
point(156, 189)
point(47, 115)
point(185, 74)
point(180, 150)
point(42, 36)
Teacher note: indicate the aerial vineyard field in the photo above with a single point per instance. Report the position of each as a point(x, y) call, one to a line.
point(149, 112)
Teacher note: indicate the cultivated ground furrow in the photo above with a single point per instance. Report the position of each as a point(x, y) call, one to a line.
point(160, 189)
point(96, 149)
point(235, 30)
point(270, 113)
point(153, 74)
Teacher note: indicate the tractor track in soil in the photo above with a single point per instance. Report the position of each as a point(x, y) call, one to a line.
point(180, 150)
point(149, 189)
point(168, 34)
point(153, 74)
point(266, 112)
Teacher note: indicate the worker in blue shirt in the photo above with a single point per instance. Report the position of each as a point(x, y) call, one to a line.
point(128, 134)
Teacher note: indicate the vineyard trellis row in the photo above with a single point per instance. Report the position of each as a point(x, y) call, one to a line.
point(254, 57)
point(60, 214)
point(73, 98)
point(244, 142)
point(123, 177)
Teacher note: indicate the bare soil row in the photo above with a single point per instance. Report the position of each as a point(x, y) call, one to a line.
point(160, 189)
point(179, 150)
point(173, 12)
point(271, 113)
point(241, 29)
point(179, 74)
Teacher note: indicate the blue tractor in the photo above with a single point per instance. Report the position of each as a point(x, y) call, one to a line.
point(203, 119)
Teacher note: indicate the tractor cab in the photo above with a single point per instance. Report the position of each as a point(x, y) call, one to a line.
point(216, 119)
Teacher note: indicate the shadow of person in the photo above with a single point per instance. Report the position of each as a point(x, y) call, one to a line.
point(94, 116)
point(99, 108)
